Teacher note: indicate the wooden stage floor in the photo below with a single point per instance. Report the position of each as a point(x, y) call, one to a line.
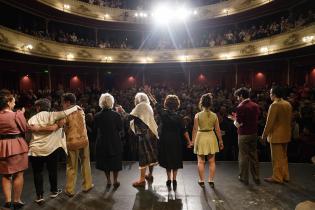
point(228, 194)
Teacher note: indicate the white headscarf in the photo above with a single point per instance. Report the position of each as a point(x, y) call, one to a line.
point(144, 111)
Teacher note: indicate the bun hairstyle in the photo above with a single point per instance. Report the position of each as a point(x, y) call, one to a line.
point(5, 98)
point(206, 101)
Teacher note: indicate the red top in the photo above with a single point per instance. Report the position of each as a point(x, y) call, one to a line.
point(247, 114)
point(12, 123)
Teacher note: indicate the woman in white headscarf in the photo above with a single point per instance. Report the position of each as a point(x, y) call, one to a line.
point(144, 127)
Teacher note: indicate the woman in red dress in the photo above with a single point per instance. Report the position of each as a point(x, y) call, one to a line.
point(13, 150)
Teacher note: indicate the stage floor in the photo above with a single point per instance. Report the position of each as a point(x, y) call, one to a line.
point(228, 194)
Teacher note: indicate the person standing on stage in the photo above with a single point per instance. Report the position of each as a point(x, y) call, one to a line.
point(108, 127)
point(206, 128)
point(78, 147)
point(143, 125)
point(13, 150)
point(246, 121)
point(44, 146)
point(172, 131)
point(278, 132)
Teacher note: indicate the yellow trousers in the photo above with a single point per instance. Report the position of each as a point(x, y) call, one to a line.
point(280, 169)
point(72, 169)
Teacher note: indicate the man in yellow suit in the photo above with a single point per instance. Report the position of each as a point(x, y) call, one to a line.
point(278, 133)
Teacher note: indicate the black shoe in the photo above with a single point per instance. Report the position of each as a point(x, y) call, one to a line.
point(116, 185)
point(202, 184)
point(211, 183)
point(243, 181)
point(7, 205)
point(174, 185)
point(168, 184)
point(18, 205)
point(257, 181)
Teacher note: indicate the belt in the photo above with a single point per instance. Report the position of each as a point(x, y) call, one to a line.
point(10, 136)
point(204, 130)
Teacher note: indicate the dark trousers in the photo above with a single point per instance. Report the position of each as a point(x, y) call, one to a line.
point(38, 166)
point(247, 157)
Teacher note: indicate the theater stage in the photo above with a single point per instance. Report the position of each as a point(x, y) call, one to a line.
point(228, 194)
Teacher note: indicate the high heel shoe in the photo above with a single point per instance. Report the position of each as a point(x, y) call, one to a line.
point(7, 205)
point(211, 183)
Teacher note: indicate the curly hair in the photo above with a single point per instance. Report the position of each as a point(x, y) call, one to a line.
point(172, 102)
point(206, 101)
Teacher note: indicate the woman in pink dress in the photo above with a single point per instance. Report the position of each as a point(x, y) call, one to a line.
point(13, 150)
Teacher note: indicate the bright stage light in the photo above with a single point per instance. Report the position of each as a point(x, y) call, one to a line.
point(162, 14)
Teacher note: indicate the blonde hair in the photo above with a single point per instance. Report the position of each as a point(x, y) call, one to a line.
point(106, 101)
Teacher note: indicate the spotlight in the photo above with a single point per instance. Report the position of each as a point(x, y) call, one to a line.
point(308, 39)
point(182, 13)
point(66, 6)
point(162, 14)
point(29, 47)
point(70, 56)
point(264, 50)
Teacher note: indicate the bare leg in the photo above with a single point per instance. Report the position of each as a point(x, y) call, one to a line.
point(201, 167)
point(18, 181)
point(174, 174)
point(115, 175)
point(142, 174)
point(107, 174)
point(211, 159)
point(6, 187)
point(169, 172)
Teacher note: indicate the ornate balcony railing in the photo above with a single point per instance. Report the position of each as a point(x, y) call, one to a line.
point(122, 15)
point(22, 43)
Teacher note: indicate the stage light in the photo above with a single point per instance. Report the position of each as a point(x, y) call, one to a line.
point(106, 16)
point(66, 6)
point(225, 56)
point(183, 58)
point(226, 11)
point(195, 12)
point(264, 50)
point(136, 14)
point(162, 14)
point(106, 59)
point(70, 56)
point(182, 13)
point(146, 60)
point(29, 47)
point(308, 39)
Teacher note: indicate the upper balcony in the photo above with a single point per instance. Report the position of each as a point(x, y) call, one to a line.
point(101, 13)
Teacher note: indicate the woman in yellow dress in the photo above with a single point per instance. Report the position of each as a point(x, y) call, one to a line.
point(205, 133)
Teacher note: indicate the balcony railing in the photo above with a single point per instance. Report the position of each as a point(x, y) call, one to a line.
point(133, 16)
point(22, 43)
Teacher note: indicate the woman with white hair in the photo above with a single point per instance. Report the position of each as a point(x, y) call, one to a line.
point(144, 127)
point(107, 127)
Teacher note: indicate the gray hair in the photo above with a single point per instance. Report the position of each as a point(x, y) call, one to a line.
point(44, 104)
point(141, 97)
point(106, 101)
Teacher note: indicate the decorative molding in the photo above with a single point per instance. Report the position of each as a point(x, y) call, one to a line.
point(84, 54)
point(124, 15)
point(3, 39)
point(249, 49)
point(16, 41)
point(291, 40)
point(41, 47)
